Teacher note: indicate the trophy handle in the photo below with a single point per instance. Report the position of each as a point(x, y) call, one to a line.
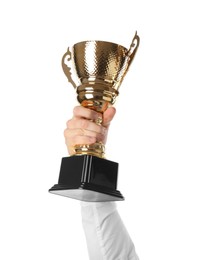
point(67, 57)
point(129, 58)
point(133, 48)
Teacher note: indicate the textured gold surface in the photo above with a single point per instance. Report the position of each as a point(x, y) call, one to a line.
point(100, 67)
point(98, 60)
point(96, 149)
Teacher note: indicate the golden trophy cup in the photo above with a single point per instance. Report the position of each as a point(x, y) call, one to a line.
point(100, 67)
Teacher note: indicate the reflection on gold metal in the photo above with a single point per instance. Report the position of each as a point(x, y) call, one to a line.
point(97, 149)
point(100, 68)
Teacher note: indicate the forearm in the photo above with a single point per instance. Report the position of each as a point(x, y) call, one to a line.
point(106, 235)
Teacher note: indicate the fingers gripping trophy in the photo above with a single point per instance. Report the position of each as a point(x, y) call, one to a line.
point(100, 68)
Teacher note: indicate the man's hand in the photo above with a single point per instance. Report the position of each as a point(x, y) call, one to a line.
point(82, 129)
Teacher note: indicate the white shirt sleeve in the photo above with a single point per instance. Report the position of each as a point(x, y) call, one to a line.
point(106, 235)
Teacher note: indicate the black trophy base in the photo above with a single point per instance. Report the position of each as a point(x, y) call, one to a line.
point(88, 178)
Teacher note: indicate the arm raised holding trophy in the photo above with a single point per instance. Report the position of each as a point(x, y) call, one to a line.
point(106, 235)
point(87, 175)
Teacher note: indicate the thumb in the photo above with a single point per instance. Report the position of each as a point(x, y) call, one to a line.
point(108, 115)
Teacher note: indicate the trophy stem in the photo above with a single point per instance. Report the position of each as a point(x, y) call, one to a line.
point(97, 149)
point(95, 96)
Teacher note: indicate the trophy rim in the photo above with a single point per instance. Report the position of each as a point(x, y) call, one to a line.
point(101, 41)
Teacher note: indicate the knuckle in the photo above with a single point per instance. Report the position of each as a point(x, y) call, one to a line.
point(84, 123)
point(76, 110)
point(65, 132)
point(68, 123)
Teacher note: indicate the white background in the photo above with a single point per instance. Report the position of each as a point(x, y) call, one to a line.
point(153, 136)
